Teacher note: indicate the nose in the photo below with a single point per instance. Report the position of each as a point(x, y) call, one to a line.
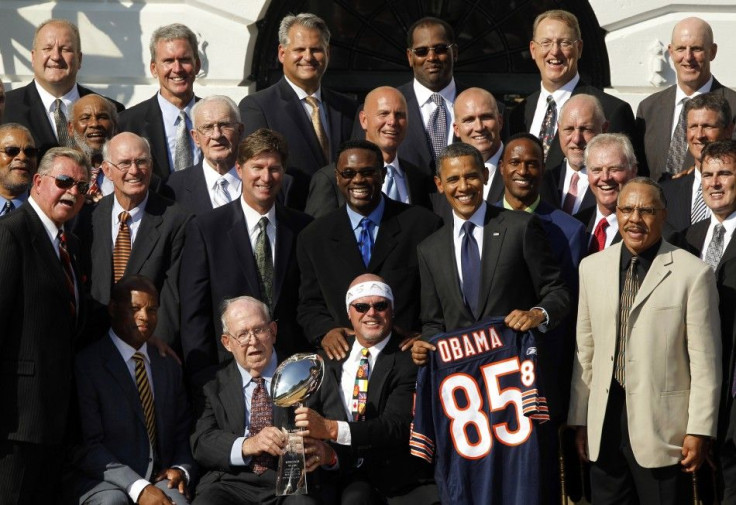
point(56, 52)
point(577, 137)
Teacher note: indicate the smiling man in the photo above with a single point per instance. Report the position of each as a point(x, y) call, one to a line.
point(648, 343)
point(18, 156)
point(313, 119)
point(166, 118)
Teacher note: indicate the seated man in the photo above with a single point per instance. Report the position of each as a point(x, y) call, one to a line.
point(366, 399)
point(134, 415)
point(237, 438)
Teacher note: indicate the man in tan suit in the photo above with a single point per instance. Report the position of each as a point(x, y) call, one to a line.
point(648, 366)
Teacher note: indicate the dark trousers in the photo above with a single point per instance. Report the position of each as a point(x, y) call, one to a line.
point(30, 473)
point(245, 488)
point(617, 479)
point(728, 469)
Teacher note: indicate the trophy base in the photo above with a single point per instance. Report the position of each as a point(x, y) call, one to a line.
point(291, 475)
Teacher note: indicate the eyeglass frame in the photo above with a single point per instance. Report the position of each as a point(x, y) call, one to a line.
point(445, 48)
point(259, 332)
point(140, 163)
point(62, 180)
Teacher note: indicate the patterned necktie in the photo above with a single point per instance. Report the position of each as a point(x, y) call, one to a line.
point(221, 196)
point(261, 416)
point(547, 131)
point(598, 242)
point(94, 188)
point(360, 391)
point(144, 393)
point(631, 286)
point(316, 118)
point(183, 150)
point(437, 126)
point(7, 208)
point(470, 267)
point(715, 248)
point(365, 243)
point(61, 125)
point(264, 261)
point(66, 262)
point(699, 210)
point(121, 252)
point(678, 144)
point(572, 194)
point(392, 188)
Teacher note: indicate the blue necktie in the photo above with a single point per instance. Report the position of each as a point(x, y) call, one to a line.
point(470, 267)
point(366, 240)
point(392, 187)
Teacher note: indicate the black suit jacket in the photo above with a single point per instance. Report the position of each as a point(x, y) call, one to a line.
point(442, 208)
point(518, 271)
point(678, 193)
point(325, 196)
point(24, 106)
point(156, 253)
point(115, 445)
point(329, 260)
point(218, 263)
point(382, 439)
point(278, 108)
point(618, 114)
point(552, 188)
point(38, 331)
point(654, 120)
point(726, 283)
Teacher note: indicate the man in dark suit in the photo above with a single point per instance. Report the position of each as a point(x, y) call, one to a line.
point(166, 118)
point(370, 234)
point(369, 435)
point(708, 119)
point(566, 186)
point(556, 48)
point(228, 253)
point(712, 240)
point(134, 231)
point(18, 155)
point(657, 118)
point(238, 435)
point(56, 58)
point(41, 306)
point(314, 119)
point(214, 181)
point(135, 420)
point(384, 121)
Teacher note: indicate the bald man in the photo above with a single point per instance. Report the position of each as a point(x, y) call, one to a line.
point(384, 121)
point(692, 49)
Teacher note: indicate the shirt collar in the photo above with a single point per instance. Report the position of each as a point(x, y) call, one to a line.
point(375, 349)
point(126, 350)
point(530, 209)
point(477, 218)
point(211, 176)
point(170, 112)
point(495, 158)
point(680, 94)
point(252, 216)
point(423, 93)
point(611, 218)
point(267, 373)
point(301, 94)
point(51, 229)
point(49, 100)
point(374, 217)
point(729, 223)
point(397, 167)
point(562, 93)
point(17, 201)
point(136, 212)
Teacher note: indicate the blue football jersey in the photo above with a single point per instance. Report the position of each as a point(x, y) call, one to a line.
point(475, 408)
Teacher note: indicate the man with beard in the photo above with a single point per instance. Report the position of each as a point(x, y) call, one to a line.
point(17, 166)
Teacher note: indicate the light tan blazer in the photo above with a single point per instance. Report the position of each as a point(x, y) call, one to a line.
point(673, 354)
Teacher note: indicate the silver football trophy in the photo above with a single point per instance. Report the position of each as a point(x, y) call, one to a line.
point(295, 380)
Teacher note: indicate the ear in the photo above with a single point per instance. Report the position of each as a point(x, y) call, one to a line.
point(438, 183)
point(154, 71)
point(363, 119)
point(282, 53)
point(106, 169)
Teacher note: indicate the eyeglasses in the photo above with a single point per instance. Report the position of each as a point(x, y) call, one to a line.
point(547, 44)
point(13, 151)
point(66, 182)
point(259, 332)
point(365, 307)
point(643, 211)
point(365, 173)
point(438, 49)
point(125, 165)
point(209, 129)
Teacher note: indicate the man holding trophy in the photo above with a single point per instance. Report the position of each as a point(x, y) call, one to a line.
point(238, 437)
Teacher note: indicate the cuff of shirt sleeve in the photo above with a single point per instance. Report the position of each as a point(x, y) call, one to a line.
point(184, 471)
point(343, 433)
point(236, 453)
point(136, 489)
point(543, 327)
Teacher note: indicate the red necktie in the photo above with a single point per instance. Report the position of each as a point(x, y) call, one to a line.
point(572, 194)
point(261, 415)
point(66, 262)
point(599, 237)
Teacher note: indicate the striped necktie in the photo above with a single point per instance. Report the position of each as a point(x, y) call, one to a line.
point(66, 262)
point(121, 252)
point(699, 210)
point(631, 286)
point(144, 393)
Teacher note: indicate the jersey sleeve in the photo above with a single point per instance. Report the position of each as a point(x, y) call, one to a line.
point(421, 442)
point(534, 402)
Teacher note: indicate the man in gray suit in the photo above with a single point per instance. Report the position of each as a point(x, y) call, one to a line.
point(133, 409)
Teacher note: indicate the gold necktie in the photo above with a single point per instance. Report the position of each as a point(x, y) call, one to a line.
point(324, 142)
point(121, 253)
point(144, 392)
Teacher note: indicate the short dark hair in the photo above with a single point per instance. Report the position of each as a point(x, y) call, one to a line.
point(458, 150)
point(262, 141)
point(711, 101)
point(121, 289)
point(526, 136)
point(649, 182)
point(361, 144)
point(429, 21)
point(719, 150)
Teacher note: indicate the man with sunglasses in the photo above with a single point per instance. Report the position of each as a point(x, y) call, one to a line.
point(556, 47)
point(364, 408)
point(647, 374)
point(134, 231)
point(42, 310)
point(371, 233)
point(18, 156)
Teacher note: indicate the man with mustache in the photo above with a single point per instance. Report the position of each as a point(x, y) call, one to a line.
point(18, 156)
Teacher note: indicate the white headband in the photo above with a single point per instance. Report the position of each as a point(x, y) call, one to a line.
point(370, 288)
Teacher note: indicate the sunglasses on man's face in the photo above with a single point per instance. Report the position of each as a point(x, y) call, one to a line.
point(13, 151)
point(66, 182)
point(438, 49)
point(365, 307)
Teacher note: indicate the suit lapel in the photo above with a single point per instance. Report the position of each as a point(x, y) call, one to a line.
point(148, 234)
point(379, 374)
point(388, 230)
point(728, 254)
point(120, 372)
point(154, 127)
point(45, 250)
point(232, 398)
point(162, 390)
point(284, 244)
point(696, 236)
point(529, 108)
point(196, 185)
point(238, 235)
point(292, 108)
point(335, 118)
point(38, 118)
point(661, 267)
point(344, 243)
point(494, 232)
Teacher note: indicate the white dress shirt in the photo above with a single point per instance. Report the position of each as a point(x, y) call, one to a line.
point(170, 115)
point(560, 95)
point(211, 176)
point(492, 165)
point(49, 104)
point(252, 217)
point(136, 215)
